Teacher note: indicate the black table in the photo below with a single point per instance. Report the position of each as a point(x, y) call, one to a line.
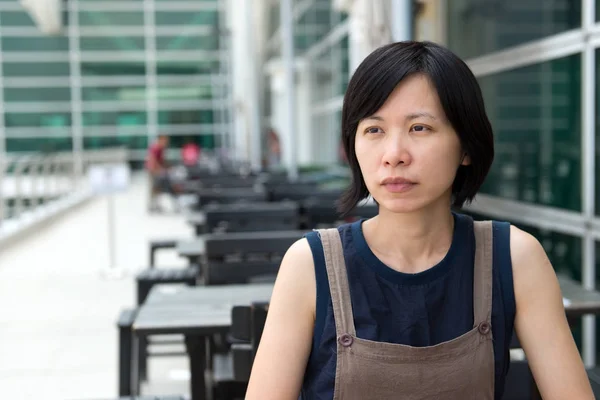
point(192, 249)
point(198, 220)
point(198, 313)
point(577, 300)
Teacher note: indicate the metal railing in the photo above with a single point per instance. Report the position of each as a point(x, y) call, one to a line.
point(28, 180)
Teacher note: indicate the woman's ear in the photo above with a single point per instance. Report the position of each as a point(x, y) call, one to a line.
point(465, 160)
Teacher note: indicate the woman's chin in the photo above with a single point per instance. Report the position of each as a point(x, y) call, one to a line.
point(399, 206)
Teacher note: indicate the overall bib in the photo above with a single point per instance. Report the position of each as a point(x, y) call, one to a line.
point(459, 369)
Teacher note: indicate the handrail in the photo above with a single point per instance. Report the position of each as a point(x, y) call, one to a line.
point(39, 177)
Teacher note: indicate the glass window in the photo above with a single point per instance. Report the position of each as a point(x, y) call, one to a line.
point(179, 92)
point(47, 43)
point(119, 118)
point(182, 18)
point(477, 27)
point(16, 18)
point(325, 138)
point(131, 142)
point(11, 69)
point(43, 144)
point(187, 42)
point(112, 93)
point(111, 18)
point(112, 68)
point(37, 94)
point(323, 78)
point(175, 117)
point(198, 67)
point(37, 119)
point(535, 112)
point(115, 43)
point(206, 142)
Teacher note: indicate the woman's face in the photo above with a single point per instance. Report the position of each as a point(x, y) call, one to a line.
point(407, 151)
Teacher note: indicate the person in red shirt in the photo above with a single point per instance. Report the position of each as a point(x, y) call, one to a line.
point(190, 153)
point(157, 169)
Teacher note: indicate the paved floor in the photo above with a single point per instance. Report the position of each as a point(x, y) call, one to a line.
point(58, 338)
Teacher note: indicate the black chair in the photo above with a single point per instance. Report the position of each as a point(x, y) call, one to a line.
point(228, 196)
point(227, 182)
point(249, 217)
point(319, 212)
point(296, 191)
point(240, 257)
point(158, 244)
point(234, 370)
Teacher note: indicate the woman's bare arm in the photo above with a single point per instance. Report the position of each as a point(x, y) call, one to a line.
point(286, 341)
point(541, 323)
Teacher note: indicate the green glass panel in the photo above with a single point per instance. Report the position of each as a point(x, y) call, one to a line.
point(187, 67)
point(118, 43)
point(317, 15)
point(47, 43)
point(44, 144)
point(182, 18)
point(37, 94)
point(37, 119)
point(536, 115)
point(94, 118)
point(113, 93)
point(131, 142)
point(598, 14)
point(167, 92)
point(16, 18)
point(477, 27)
point(323, 78)
point(187, 42)
point(11, 69)
point(111, 18)
point(185, 117)
point(113, 68)
point(206, 142)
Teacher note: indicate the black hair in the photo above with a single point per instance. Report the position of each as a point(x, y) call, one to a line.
point(460, 96)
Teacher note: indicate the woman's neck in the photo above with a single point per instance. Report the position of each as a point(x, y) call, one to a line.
point(410, 242)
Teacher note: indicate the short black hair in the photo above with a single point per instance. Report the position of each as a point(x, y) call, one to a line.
point(460, 96)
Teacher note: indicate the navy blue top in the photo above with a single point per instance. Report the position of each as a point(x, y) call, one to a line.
point(422, 309)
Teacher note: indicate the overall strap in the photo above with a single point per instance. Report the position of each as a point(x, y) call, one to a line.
point(338, 281)
point(482, 277)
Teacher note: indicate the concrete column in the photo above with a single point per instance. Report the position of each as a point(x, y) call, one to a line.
point(304, 129)
point(237, 10)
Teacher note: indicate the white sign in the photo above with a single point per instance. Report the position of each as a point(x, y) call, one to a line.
point(109, 178)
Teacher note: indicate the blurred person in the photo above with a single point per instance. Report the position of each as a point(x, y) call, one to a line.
point(274, 148)
point(158, 172)
point(419, 301)
point(190, 153)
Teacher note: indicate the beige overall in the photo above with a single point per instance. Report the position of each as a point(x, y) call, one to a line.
point(462, 368)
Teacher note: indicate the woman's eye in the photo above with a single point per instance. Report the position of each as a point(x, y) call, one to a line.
point(419, 128)
point(373, 130)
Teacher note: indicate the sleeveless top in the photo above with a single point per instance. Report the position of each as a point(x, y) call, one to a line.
point(423, 309)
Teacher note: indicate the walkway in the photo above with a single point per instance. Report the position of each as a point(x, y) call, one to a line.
point(58, 338)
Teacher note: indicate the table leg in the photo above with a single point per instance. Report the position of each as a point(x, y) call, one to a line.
point(196, 348)
point(134, 377)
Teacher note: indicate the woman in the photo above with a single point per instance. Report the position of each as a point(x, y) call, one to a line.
point(419, 302)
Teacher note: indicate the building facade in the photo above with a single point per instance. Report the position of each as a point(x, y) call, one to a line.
point(119, 73)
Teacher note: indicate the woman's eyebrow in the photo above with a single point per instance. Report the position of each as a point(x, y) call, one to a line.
point(421, 114)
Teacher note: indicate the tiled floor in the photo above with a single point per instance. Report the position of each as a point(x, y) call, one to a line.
point(58, 338)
